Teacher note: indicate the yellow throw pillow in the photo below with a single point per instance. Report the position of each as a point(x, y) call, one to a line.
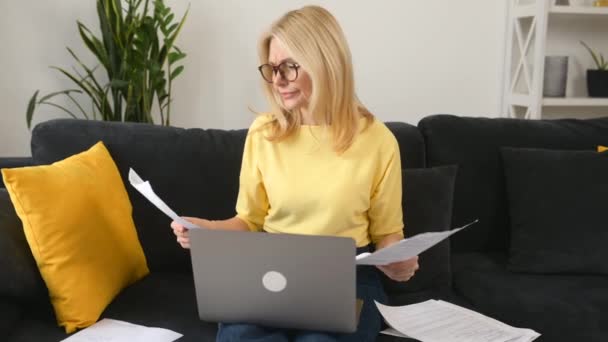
point(77, 220)
point(602, 148)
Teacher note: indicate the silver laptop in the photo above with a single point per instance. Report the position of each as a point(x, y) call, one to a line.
point(278, 280)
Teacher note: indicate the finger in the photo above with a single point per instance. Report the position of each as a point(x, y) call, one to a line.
point(183, 232)
point(183, 240)
point(176, 225)
point(404, 277)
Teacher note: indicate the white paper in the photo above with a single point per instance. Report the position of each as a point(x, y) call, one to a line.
point(110, 330)
point(406, 248)
point(146, 189)
point(393, 332)
point(439, 321)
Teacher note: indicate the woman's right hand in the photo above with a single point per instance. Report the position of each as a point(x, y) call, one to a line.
point(181, 233)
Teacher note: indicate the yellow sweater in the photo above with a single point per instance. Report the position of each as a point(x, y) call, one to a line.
point(302, 186)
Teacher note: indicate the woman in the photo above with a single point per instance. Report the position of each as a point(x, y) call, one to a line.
point(319, 164)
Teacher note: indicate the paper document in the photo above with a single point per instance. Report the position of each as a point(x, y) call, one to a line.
point(439, 321)
point(406, 248)
point(110, 330)
point(146, 189)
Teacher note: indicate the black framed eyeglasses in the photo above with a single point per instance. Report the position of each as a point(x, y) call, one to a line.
point(287, 70)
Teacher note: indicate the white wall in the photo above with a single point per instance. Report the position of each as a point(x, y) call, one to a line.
point(412, 58)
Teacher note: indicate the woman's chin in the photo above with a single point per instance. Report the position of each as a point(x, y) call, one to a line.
point(291, 105)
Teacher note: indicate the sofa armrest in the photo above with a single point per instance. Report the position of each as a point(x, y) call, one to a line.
point(10, 162)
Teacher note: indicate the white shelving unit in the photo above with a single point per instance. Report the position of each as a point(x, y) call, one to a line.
point(527, 29)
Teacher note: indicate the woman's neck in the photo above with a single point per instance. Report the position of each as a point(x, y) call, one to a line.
point(307, 118)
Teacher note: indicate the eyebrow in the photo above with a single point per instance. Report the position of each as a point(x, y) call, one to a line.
point(283, 60)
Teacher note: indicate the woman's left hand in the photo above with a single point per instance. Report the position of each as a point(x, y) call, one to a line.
point(401, 270)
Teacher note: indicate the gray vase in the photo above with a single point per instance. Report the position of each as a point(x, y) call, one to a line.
point(556, 76)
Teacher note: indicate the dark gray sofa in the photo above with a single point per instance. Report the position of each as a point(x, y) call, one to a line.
point(196, 171)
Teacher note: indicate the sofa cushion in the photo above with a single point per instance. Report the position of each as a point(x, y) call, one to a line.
point(77, 220)
point(560, 307)
point(427, 206)
point(21, 279)
point(474, 145)
point(411, 144)
point(557, 205)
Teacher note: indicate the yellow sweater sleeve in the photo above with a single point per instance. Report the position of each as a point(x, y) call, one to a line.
point(252, 201)
point(385, 214)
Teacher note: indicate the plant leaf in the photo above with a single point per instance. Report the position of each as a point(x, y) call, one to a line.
point(116, 83)
point(171, 29)
point(168, 20)
point(77, 105)
point(176, 72)
point(597, 61)
point(176, 56)
point(94, 45)
point(88, 88)
point(60, 107)
point(30, 109)
point(105, 25)
point(59, 92)
point(169, 41)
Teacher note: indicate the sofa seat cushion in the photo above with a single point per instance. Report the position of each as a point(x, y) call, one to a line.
point(163, 300)
point(560, 307)
point(34, 330)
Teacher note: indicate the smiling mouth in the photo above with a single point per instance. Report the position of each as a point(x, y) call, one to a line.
point(289, 95)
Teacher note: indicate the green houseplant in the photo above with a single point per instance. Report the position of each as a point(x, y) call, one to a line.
point(138, 57)
point(597, 79)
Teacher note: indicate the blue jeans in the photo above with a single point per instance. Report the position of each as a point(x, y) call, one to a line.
point(369, 288)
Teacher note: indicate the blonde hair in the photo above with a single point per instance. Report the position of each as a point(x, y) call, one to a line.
point(314, 39)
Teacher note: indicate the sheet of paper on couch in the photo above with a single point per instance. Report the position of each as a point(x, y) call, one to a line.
point(407, 248)
point(145, 189)
point(438, 321)
point(110, 330)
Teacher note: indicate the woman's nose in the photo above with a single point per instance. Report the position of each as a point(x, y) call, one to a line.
point(278, 79)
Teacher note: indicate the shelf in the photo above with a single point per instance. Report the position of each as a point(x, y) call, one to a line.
point(529, 25)
point(524, 100)
point(525, 11)
point(581, 10)
point(575, 102)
